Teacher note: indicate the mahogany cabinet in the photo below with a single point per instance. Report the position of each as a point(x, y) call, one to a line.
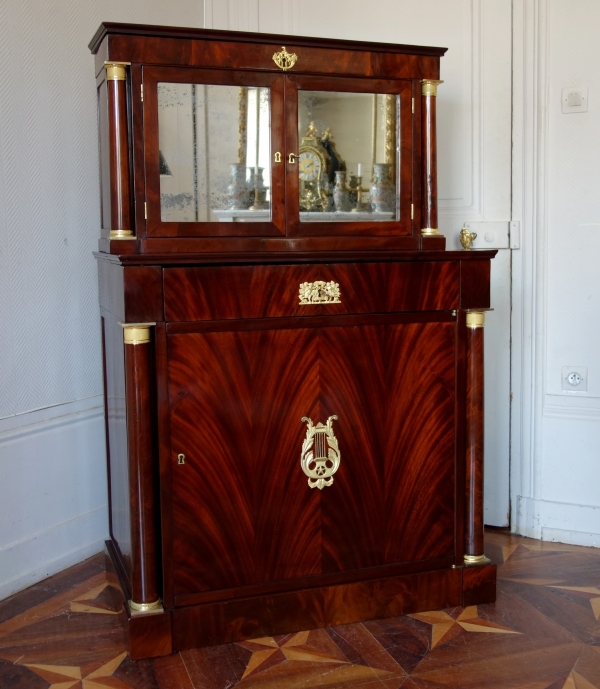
point(293, 363)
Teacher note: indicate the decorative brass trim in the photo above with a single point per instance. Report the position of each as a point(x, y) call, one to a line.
point(429, 86)
point(242, 124)
point(320, 457)
point(466, 238)
point(116, 71)
point(319, 292)
point(475, 319)
point(136, 333)
point(390, 133)
point(473, 560)
point(430, 232)
point(278, 157)
point(284, 60)
point(121, 234)
point(374, 135)
point(145, 608)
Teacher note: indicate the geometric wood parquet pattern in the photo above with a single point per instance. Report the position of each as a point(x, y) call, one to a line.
point(542, 633)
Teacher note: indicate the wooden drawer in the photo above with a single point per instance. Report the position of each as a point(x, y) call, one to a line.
point(199, 294)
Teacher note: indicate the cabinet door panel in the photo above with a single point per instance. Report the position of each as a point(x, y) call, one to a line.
point(420, 442)
point(287, 513)
point(352, 379)
point(210, 399)
point(243, 512)
point(393, 390)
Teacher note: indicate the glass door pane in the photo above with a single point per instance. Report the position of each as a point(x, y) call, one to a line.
point(348, 156)
point(214, 153)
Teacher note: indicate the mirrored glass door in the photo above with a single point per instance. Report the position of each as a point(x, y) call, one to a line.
point(214, 149)
point(350, 172)
point(212, 155)
point(348, 156)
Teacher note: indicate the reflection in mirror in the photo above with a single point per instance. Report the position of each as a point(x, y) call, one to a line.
point(214, 153)
point(348, 156)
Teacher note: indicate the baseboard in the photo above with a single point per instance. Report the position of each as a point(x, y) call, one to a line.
point(52, 491)
point(31, 553)
point(560, 522)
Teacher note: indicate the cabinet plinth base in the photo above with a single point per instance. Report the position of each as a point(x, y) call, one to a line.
point(210, 624)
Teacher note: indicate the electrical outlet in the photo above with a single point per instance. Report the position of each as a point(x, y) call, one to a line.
point(574, 378)
point(574, 99)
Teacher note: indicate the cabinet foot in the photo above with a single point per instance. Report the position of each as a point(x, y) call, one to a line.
point(478, 584)
point(147, 634)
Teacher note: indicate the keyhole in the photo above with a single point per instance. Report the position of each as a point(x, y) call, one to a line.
point(181, 459)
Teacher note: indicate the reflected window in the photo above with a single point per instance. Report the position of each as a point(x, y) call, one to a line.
point(214, 150)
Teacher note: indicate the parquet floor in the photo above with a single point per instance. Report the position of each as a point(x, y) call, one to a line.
point(542, 633)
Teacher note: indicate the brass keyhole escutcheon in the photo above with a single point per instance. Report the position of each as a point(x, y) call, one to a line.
point(292, 158)
point(278, 157)
point(181, 459)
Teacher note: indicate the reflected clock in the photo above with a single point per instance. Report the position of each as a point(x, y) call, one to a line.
point(313, 172)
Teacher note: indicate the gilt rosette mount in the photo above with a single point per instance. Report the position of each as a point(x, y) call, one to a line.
point(319, 292)
point(320, 457)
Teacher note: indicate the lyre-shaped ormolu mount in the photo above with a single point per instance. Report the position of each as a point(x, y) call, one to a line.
point(320, 457)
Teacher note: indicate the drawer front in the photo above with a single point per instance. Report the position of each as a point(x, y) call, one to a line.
point(200, 294)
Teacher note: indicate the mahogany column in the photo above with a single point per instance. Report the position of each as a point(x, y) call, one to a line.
point(474, 440)
point(120, 184)
point(138, 390)
point(429, 210)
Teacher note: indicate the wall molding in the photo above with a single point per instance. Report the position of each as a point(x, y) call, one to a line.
point(469, 205)
point(528, 327)
point(12, 428)
point(563, 411)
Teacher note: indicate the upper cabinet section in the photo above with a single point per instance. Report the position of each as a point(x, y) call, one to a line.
point(186, 47)
point(210, 134)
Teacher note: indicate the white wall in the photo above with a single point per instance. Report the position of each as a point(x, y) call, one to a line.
point(52, 467)
point(556, 434)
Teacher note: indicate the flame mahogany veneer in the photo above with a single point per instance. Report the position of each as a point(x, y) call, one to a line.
point(233, 541)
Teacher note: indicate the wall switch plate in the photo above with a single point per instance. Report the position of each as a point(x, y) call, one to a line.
point(574, 378)
point(574, 99)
